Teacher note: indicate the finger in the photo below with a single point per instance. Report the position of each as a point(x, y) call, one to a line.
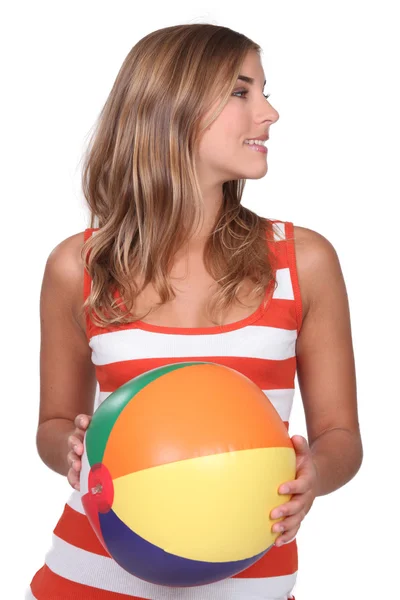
point(86, 422)
point(71, 456)
point(301, 444)
point(76, 439)
point(78, 420)
point(78, 446)
point(78, 449)
point(287, 536)
point(290, 508)
point(75, 444)
point(74, 461)
point(82, 421)
point(288, 524)
point(299, 486)
point(73, 479)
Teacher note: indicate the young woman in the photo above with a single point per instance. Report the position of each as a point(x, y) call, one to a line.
point(177, 268)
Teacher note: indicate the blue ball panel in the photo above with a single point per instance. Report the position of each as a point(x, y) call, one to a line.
point(150, 563)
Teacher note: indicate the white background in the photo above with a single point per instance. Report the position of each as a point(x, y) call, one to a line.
point(333, 166)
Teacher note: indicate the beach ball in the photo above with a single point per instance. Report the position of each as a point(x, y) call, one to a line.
point(180, 472)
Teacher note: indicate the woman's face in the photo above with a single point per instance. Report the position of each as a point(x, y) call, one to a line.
point(222, 152)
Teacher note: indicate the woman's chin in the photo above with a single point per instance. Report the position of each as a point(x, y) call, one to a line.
point(255, 173)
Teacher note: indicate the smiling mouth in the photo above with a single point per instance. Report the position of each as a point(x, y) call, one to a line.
point(257, 148)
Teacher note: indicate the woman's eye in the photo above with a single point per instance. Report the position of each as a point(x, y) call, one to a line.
point(240, 92)
point(246, 92)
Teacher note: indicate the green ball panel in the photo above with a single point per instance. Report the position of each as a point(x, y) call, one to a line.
point(107, 413)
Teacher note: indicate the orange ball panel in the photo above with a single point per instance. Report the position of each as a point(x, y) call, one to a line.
point(194, 411)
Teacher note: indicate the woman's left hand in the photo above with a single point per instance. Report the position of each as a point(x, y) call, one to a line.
point(304, 490)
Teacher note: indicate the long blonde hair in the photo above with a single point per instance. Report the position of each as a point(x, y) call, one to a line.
point(139, 176)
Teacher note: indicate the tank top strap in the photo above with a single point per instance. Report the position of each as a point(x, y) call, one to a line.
point(276, 242)
point(292, 264)
point(283, 249)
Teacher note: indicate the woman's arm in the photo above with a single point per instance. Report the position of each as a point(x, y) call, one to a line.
point(325, 365)
point(67, 374)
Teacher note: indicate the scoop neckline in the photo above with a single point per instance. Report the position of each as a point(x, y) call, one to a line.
point(206, 330)
point(165, 329)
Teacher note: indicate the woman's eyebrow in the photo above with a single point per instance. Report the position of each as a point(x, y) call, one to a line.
point(248, 79)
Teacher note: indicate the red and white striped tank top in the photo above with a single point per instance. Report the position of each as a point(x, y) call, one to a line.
point(262, 347)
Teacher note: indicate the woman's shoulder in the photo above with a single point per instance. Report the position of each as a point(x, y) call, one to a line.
point(65, 266)
point(316, 257)
point(66, 255)
point(312, 247)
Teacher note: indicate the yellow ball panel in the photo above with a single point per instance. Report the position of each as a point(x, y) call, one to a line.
point(213, 508)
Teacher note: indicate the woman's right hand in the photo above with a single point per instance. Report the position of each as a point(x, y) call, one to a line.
point(75, 445)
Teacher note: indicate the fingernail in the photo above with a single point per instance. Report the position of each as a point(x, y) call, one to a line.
point(284, 489)
point(278, 515)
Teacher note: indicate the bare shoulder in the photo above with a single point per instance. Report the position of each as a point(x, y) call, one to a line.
point(317, 264)
point(64, 267)
point(312, 247)
point(324, 348)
